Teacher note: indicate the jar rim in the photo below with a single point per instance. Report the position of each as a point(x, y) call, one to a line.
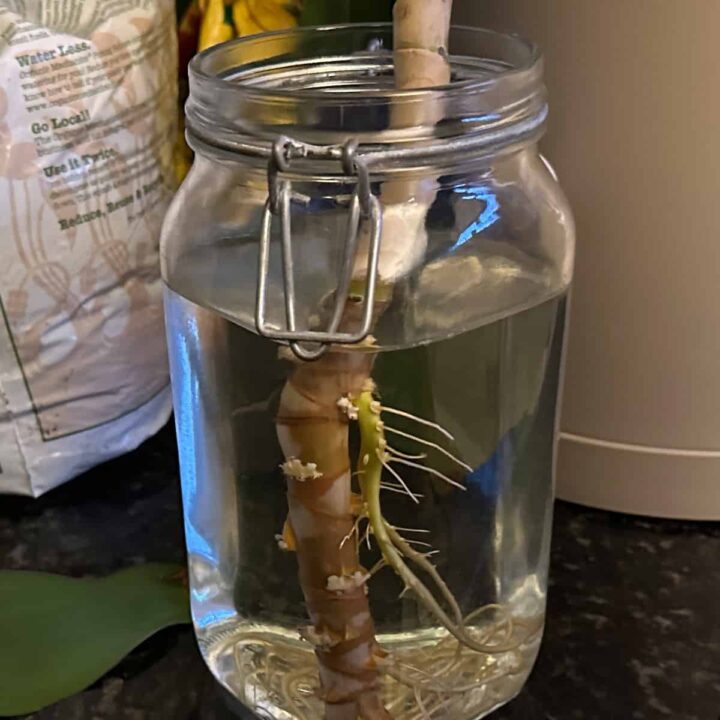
point(322, 85)
point(201, 67)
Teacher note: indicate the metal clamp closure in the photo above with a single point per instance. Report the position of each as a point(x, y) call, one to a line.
point(364, 207)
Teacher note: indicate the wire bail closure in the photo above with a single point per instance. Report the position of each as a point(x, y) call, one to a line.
point(364, 206)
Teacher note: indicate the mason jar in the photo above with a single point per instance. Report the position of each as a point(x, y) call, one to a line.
point(365, 297)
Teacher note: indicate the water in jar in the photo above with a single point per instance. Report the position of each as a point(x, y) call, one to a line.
point(491, 387)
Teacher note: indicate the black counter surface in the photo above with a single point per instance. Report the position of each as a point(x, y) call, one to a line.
point(633, 627)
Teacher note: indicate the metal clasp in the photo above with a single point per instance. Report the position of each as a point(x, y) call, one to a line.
point(364, 206)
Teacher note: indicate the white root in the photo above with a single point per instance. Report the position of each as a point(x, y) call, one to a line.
point(424, 564)
point(410, 530)
point(407, 456)
point(430, 470)
point(449, 679)
point(366, 539)
point(428, 443)
point(421, 421)
point(419, 543)
point(355, 528)
point(398, 477)
point(390, 487)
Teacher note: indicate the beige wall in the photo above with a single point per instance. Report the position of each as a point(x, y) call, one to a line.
point(635, 138)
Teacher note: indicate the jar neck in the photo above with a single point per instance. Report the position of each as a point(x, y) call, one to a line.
point(321, 86)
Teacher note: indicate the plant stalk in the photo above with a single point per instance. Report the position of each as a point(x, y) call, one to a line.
point(313, 431)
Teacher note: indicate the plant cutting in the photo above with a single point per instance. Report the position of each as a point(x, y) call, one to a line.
point(326, 516)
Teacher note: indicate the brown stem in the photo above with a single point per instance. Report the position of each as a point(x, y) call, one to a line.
point(312, 429)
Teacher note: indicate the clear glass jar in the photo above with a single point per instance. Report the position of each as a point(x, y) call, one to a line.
point(408, 476)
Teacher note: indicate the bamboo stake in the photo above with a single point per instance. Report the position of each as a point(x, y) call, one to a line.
point(421, 29)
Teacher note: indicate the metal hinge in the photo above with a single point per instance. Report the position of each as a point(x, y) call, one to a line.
point(311, 344)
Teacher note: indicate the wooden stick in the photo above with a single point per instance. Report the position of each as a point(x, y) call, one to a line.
point(422, 28)
point(421, 32)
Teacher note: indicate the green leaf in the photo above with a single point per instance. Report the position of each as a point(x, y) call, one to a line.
point(59, 634)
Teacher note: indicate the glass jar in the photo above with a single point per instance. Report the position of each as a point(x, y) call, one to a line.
point(366, 408)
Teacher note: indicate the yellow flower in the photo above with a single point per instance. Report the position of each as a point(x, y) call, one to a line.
point(255, 16)
point(214, 29)
point(258, 16)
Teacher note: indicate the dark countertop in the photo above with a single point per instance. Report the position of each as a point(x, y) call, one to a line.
point(633, 628)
